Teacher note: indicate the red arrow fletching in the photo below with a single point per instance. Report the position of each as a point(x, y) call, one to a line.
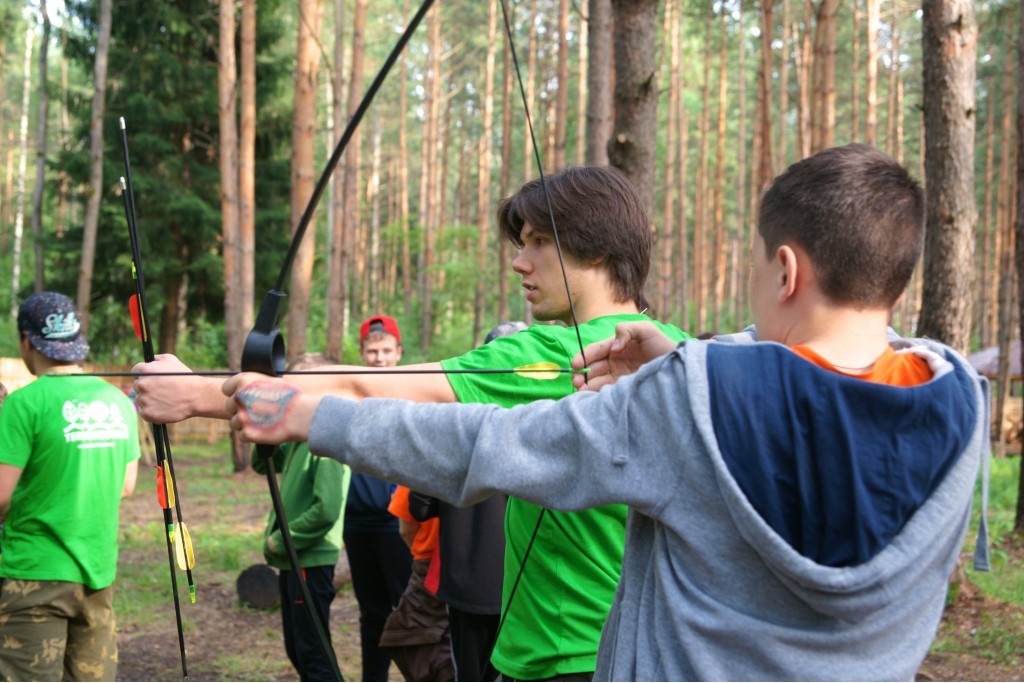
point(133, 309)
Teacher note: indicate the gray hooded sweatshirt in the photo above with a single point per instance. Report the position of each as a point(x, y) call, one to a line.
point(786, 522)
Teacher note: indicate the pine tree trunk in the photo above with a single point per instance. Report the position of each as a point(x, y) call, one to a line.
point(804, 76)
point(871, 107)
point(337, 284)
point(599, 84)
point(721, 250)
point(227, 95)
point(855, 74)
point(562, 93)
point(92, 210)
point(307, 63)
point(700, 203)
point(766, 164)
point(483, 197)
point(986, 314)
point(825, 81)
point(403, 177)
point(636, 94)
point(505, 177)
point(247, 165)
point(1018, 520)
point(19, 215)
point(43, 116)
point(949, 50)
point(665, 231)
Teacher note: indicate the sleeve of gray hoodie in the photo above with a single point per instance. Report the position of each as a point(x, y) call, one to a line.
point(588, 449)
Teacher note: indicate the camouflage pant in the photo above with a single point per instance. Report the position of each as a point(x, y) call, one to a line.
point(54, 630)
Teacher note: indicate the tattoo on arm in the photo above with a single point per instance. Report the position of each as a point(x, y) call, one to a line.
point(267, 404)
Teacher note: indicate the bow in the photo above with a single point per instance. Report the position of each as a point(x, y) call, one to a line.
point(264, 347)
point(179, 543)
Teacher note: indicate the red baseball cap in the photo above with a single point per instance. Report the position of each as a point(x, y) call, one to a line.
point(379, 323)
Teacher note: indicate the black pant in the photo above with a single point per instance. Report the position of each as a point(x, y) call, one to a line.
point(301, 641)
point(472, 641)
point(380, 565)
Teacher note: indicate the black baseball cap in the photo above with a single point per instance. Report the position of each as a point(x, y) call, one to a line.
point(50, 321)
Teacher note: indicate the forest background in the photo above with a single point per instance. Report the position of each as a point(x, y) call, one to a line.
point(232, 109)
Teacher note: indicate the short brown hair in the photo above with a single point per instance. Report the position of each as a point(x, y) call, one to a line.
point(859, 216)
point(599, 216)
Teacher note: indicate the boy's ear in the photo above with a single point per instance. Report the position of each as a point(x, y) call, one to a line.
point(788, 272)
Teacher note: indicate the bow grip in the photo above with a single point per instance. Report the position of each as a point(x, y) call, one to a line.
point(264, 347)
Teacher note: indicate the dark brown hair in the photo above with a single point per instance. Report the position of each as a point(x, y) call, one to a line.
point(859, 216)
point(599, 216)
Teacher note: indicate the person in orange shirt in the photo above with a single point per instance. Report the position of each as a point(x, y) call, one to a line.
point(416, 633)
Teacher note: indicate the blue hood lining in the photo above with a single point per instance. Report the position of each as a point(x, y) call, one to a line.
point(835, 465)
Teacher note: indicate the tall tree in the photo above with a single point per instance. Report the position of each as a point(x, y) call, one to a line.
point(949, 50)
point(599, 84)
point(92, 209)
point(483, 199)
point(227, 98)
point(42, 118)
point(1018, 520)
point(766, 164)
point(247, 165)
point(871, 108)
point(562, 93)
point(337, 267)
point(632, 147)
point(307, 64)
point(19, 215)
point(824, 109)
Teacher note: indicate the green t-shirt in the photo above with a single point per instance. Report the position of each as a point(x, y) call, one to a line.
point(73, 438)
point(556, 616)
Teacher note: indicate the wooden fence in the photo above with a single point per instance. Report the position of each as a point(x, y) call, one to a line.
point(14, 375)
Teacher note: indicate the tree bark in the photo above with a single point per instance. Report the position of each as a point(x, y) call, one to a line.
point(949, 51)
point(483, 199)
point(562, 93)
point(632, 146)
point(825, 82)
point(1018, 520)
point(871, 107)
point(19, 215)
point(43, 116)
point(227, 96)
point(247, 166)
point(92, 209)
point(337, 281)
point(665, 234)
point(307, 63)
point(766, 163)
point(599, 83)
point(721, 248)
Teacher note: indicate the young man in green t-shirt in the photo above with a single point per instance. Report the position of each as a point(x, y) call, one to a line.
point(70, 453)
point(555, 617)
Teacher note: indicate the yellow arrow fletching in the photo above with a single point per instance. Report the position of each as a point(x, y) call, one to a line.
point(169, 484)
point(540, 371)
point(183, 549)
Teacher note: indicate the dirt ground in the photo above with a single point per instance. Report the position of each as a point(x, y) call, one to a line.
point(226, 641)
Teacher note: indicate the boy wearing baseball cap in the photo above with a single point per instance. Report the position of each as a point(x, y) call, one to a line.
point(70, 453)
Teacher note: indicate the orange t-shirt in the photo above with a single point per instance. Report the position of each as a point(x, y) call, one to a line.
point(425, 542)
point(895, 369)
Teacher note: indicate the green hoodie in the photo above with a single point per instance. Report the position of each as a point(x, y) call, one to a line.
point(313, 491)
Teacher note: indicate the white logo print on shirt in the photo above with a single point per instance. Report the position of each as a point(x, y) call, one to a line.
point(93, 424)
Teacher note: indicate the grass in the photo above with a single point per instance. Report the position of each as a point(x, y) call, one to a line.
point(224, 541)
point(1005, 581)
